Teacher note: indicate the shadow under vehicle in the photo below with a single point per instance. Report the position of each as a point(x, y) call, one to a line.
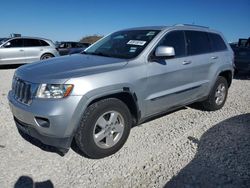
point(222, 158)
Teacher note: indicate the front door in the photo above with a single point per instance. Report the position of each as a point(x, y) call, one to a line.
point(173, 81)
point(12, 52)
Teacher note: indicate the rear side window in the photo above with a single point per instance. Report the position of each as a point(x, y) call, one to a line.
point(31, 43)
point(43, 43)
point(217, 43)
point(74, 45)
point(197, 42)
point(176, 40)
point(80, 45)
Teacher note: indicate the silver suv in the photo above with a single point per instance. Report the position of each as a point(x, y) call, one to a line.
point(120, 81)
point(21, 50)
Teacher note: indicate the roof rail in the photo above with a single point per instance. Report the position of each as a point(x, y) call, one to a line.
point(191, 25)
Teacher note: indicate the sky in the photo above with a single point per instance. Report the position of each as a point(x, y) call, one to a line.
point(62, 20)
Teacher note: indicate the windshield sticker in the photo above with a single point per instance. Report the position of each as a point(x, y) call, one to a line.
point(137, 42)
point(132, 49)
point(151, 33)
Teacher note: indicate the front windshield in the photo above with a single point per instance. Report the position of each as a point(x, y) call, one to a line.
point(123, 44)
point(3, 40)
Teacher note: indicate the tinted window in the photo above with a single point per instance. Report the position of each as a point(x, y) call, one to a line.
point(69, 45)
point(80, 45)
point(217, 42)
point(14, 43)
point(31, 43)
point(43, 43)
point(74, 45)
point(85, 44)
point(62, 45)
point(197, 42)
point(176, 40)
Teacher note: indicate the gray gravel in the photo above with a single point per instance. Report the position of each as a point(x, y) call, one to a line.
point(187, 148)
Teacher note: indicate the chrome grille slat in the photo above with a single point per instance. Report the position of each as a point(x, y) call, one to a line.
point(16, 85)
point(22, 91)
point(18, 89)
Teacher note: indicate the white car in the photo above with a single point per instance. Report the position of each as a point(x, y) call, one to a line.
point(21, 50)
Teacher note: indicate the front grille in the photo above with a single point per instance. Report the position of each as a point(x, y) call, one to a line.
point(22, 91)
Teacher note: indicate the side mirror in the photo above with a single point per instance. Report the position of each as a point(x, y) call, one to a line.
point(164, 51)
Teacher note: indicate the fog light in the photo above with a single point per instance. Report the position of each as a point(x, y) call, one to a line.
point(43, 122)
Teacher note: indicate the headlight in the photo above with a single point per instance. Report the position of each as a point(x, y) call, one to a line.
point(54, 90)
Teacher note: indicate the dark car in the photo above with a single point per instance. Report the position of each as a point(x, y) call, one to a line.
point(242, 55)
point(66, 48)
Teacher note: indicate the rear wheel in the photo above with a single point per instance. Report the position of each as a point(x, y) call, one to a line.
point(104, 128)
point(46, 56)
point(217, 96)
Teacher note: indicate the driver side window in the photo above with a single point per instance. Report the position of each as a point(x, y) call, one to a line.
point(15, 43)
point(176, 40)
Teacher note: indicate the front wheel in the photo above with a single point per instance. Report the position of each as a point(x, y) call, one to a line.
point(217, 96)
point(104, 128)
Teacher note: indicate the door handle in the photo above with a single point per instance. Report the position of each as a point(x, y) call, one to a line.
point(21, 50)
point(214, 57)
point(186, 62)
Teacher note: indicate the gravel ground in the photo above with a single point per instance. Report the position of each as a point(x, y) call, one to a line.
point(187, 148)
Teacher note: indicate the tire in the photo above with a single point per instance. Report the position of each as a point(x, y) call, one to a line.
point(46, 56)
point(217, 96)
point(97, 129)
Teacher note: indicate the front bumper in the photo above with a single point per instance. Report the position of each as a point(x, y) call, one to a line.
point(62, 115)
point(58, 145)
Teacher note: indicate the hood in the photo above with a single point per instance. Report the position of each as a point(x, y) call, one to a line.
point(60, 69)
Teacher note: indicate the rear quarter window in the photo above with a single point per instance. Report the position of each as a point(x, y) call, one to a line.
point(43, 43)
point(217, 43)
point(197, 42)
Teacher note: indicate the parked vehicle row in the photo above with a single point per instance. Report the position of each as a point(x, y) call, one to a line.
point(66, 48)
point(122, 80)
point(242, 55)
point(22, 50)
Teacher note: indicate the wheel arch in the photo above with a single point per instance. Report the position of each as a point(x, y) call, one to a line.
point(228, 75)
point(126, 96)
point(46, 53)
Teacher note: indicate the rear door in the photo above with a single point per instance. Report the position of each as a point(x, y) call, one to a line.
point(202, 59)
point(171, 81)
point(32, 49)
point(219, 51)
point(12, 52)
point(64, 48)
